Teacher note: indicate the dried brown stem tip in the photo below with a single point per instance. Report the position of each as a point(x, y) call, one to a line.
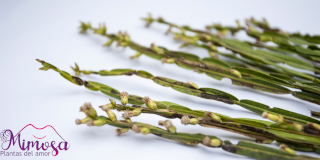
point(85, 106)
point(78, 121)
point(315, 114)
point(135, 128)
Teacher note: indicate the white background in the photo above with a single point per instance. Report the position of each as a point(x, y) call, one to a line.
point(48, 30)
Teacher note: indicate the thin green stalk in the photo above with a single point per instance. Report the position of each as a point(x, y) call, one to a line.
point(216, 68)
point(260, 130)
point(223, 30)
point(286, 42)
point(215, 120)
point(295, 37)
point(207, 93)
point(246, 50)
point(242, 148)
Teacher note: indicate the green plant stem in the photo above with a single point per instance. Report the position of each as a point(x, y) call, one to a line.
point(242, 148)
point(239, 47)
point(219, 69)
point(207, 93)
point(242, 126)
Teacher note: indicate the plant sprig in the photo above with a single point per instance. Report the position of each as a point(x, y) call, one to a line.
point(285, 133)
point(207, 93)
point(243, 49)
point(218, 69)
point(242, 148)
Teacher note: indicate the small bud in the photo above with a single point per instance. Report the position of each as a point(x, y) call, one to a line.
point(144, 130)
point(109, 105)
point(88, 110)
point(186, 120)
point(138, 54)
point(111, 115)
point(150, 103)
point(297, 126)
point(129, 114)
point(101, 30)
point(149, 20)
point(212, 47)
point(76, 69)
point(84, 27)
point(167, 60)
point(136, 112)
point(113, 103)
point(168, 124)
point(287, 149)
point(121, 130)
point(98, 122)
point(273, 117)
point(266, 141)
point(157, 49)
point(213, 116)
point(124, 98)
point(207, 37)
point(82, 121)
point(128, 120)
point(194, 121)
point(265, 38)
point(314, 125)
point(193, 84)
point(207, 141)
point(213, 55)
point(235, 72)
